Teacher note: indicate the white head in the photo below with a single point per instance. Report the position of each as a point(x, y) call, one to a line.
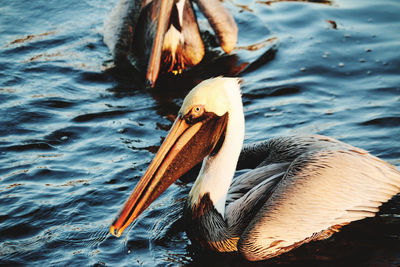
point(217, 95)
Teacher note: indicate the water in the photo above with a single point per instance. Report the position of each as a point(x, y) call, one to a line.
point(76, 133)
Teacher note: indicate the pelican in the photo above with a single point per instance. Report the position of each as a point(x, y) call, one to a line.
point(297, 189)
point(163, 34)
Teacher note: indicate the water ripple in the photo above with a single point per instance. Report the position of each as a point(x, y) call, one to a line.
point(77, 133)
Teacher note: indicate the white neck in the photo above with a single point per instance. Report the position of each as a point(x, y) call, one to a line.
point(217, 171)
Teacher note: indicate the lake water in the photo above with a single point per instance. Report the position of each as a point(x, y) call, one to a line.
point(76, 133)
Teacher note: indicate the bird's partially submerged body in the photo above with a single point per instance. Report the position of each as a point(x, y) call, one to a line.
point(157, 35)
point(297, 189)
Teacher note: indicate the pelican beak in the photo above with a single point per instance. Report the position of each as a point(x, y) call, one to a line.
point(161, 14)
point(186, 145)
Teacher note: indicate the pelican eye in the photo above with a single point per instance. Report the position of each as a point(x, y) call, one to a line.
point(197, 111)
point(195, 114)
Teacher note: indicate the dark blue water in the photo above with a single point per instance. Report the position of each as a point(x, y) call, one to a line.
point(76, 133)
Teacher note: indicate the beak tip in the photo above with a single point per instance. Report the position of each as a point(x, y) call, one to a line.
point(149, 83)
point(114, 232)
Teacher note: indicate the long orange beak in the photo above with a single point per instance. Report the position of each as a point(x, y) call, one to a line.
point(162, 16)
point(184, 147)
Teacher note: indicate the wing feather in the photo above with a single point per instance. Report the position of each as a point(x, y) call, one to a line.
point(250, 179)
point(321, 191)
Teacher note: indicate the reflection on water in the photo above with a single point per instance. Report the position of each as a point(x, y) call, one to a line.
point(77, 132)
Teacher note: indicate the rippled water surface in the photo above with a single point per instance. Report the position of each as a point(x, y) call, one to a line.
point(76, 133)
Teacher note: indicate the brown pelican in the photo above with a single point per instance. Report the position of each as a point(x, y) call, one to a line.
point(163, 34)
point(299, 188)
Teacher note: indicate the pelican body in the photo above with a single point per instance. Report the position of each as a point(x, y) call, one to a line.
point(297, 188)
point(163, 35)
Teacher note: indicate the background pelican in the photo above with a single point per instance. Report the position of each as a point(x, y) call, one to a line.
point(163, 35)
point(299, 188)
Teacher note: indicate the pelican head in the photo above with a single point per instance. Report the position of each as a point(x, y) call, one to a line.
point(163, 35)
point(197, 133)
